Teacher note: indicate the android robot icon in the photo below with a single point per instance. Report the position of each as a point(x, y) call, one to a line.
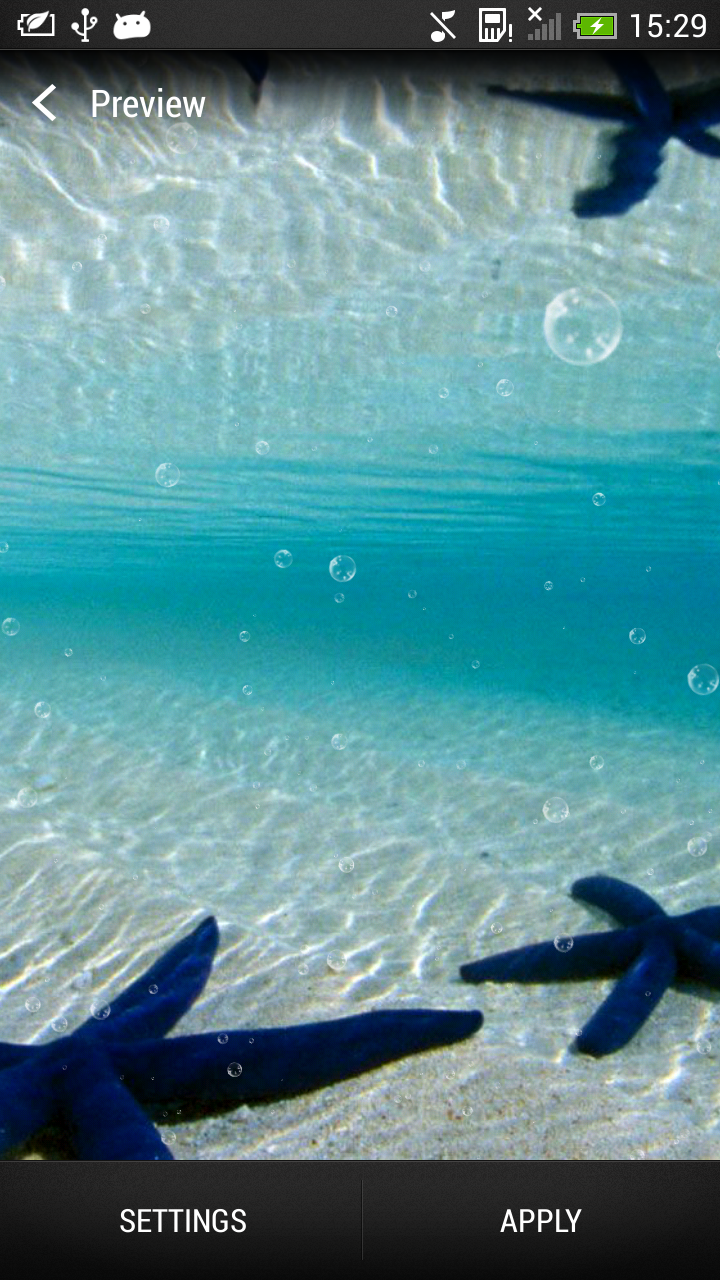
point(132, 26)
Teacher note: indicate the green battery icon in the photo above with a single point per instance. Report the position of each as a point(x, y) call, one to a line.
point(596, 26)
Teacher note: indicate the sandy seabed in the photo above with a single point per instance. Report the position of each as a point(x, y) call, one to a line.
point(157, 802)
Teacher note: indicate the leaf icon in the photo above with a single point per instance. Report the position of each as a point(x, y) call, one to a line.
point(36, 20)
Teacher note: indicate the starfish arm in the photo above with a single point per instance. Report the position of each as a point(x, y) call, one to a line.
point(592, 955)
point(705, 920)
point(27, 1100)
point(179, 977)
point(104, 1120)
point(256, 66)
point(699, 956)
point(628, 904)
point(288, 1060)
point(697, 110)
point(636, 157)
point(12, 1054)
point(640, 82)
point(706, 144)
point(593, 106)
point(631, 1000)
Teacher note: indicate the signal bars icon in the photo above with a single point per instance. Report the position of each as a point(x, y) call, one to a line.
point(438, 36)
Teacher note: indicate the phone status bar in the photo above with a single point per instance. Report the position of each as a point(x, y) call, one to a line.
point(372, 26)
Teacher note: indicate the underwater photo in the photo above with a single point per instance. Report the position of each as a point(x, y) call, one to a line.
point(359, 616)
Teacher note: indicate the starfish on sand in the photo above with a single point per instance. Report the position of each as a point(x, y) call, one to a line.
point(651, 116)
point(651, 950)
point(97, 1082)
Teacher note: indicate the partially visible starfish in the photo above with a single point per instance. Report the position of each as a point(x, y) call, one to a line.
point(96, 1081)
point(256, 65)
point(652, 948)
point(651, 116)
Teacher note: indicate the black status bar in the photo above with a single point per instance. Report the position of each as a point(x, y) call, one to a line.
point(358, 25)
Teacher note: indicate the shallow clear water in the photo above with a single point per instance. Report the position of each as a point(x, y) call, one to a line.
point(347, 273)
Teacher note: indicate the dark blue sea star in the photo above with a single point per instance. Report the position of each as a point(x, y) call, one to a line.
point(96, 1083)
point(256, 65)
point(651, 117)
point(652, 948)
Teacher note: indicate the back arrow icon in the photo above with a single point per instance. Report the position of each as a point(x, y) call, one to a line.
point(38, 102)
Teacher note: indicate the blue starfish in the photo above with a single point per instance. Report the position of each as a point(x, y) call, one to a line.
point(651, 117)
point(256, 65)
point(651, 947)
point(97, 1081)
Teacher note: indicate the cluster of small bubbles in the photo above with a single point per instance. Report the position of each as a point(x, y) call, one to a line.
point(443, 393)
point(547, 586)
point(3, 548)
point(703, 679)
point(167, 475)
point(181, 138)
point(244, 636)
point(32, 1004)
point(433, 448)
point(582, 326)
point(27, 797)
point(100, 1011)
point(223, 1037)
point(697, 847)
point(11, 626)
point(596, 762)
point(161, 224)
point(338, 597)
point(283, 559)
point(555, 809)
point(475, 664)
point(496, 928)
point(303, 968)
point(59, 1025)
point(339, 741)
point(346, 864)
point(412, 595)
point(153, 988)
point(563, 943)
point(234, 1070)
point(342, 568)
point(247, 690)
point(599, 499)
point(637, 636)
point(505, 387)
point(336, 961)
point(262, 447)
point(77, 266)
point(461, 764)
point(391, 311)
point(42, 710)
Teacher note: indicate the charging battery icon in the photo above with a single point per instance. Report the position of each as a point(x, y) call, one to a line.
point(596, 26)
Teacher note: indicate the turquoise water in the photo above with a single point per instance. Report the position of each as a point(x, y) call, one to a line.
point(468, 692)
